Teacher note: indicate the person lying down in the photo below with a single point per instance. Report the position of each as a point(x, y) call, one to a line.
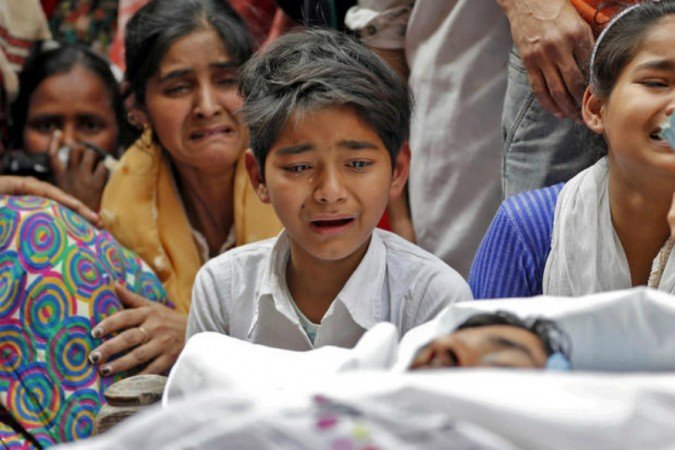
point(225, 392)
point(587, 333)
point(499, 339)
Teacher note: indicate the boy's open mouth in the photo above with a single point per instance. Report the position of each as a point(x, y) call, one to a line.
point(331, 223)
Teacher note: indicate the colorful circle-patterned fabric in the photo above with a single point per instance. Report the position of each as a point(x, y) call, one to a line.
point(56, 282)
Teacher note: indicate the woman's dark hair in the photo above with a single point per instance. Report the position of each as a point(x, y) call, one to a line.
point(157, 25)
point(44, 63)
point(552, 337)
point(621, 40)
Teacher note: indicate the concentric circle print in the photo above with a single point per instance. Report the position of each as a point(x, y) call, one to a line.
point(43, 437)
point(10, 439)
point(109, 252)
point(34, 398)
point(8, 220)
point(76, 225)
point(42, 241)
point(131, 261)
point(82, 272)
point(16, 349)
point(76, 420)
point(28, 202)
point(12, 282)
point(67, 354)
point(104, 305)
point(148, 286)
point(47, 304)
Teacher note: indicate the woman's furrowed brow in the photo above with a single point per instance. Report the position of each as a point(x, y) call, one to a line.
point(173, 74)
point(227, 65)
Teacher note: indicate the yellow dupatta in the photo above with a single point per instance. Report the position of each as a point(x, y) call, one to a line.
point(142, 209)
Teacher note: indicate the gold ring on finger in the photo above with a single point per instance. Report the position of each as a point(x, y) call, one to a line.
point(146, 338)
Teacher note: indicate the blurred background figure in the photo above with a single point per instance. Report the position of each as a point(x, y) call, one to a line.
point(454, 55)
point(22, 22)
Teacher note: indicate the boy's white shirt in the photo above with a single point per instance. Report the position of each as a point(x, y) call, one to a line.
point(243, 294)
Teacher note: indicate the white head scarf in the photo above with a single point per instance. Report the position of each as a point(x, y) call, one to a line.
point(586, 253)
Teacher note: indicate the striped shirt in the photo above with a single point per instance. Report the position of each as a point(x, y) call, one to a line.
point(511, 258)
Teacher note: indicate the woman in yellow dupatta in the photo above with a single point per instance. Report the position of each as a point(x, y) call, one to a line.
point(179, 195)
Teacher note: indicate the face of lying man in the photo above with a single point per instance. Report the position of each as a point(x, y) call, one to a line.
point(484, 346)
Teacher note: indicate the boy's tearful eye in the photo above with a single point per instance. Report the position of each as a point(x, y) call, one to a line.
point(360, 165)
point(297, 168)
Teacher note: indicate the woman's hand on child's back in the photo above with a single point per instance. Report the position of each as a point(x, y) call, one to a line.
point(145, 333)
point(17, 185)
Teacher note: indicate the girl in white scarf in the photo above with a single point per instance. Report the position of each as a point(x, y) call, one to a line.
point(610, 226)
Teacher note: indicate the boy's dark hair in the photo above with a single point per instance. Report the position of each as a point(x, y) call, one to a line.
point(552, 337)
point(622, 39)
point(319, 68)
point(160, 23)
point(46, 62)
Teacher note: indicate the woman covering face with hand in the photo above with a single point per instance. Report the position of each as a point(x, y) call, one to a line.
point(67, 118)
point(179, 196)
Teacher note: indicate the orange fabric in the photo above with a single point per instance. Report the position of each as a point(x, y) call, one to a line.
point(595, 13)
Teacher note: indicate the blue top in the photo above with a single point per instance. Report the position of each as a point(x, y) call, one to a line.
point(511, 258)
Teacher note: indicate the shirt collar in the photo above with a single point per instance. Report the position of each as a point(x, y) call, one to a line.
point(274, 278)
point(361, 295)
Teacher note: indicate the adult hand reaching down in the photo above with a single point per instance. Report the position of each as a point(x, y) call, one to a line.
point(555, 44)
point(145, 335)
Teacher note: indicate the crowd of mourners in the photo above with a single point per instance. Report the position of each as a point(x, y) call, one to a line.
point(293, 173)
